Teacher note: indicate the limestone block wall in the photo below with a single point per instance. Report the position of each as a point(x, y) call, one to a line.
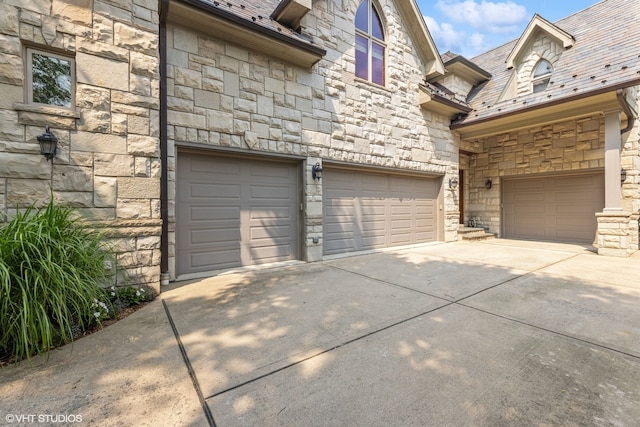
point(108, 164)
point(228, 97)
point(573, 145)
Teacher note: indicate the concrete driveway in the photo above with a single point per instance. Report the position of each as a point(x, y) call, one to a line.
point(497, 333)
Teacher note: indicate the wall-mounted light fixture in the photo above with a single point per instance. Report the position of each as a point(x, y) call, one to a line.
point(488, 184)
point(623, 175)
point(316, 171)
point(453, 183)
point(48, 144)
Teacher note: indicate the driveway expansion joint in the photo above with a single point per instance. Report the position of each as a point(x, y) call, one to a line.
point(187, 362)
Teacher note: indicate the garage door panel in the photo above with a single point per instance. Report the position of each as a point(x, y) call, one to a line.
point(270, 253)
point(208, 165)
point(372, 242)
point(210, 213)
point(232, 212)
point(339, 244)
point(225, 258)
point(204, 190)
point(425, 223)
point(371, 227)
point(266, 170)
point(270, 213)
point(205, 236)
point(563, 210)
point(399, 209)
point(531, 196)
point(383, 210)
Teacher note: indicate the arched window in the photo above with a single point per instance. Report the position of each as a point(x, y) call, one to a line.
point(370, 46)
point(541, 76)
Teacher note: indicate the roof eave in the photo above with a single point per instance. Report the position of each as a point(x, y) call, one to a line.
point(567, 108)
point(209, 19)
point(422, 38)
point(440, 104)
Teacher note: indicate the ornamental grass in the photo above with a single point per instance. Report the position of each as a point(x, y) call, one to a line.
point(53, 274)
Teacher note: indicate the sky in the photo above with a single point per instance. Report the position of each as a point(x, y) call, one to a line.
point(471, 27)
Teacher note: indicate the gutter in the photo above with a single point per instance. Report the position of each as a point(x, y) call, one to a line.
point(631, 118)
point(163, 6)
point(548, 104)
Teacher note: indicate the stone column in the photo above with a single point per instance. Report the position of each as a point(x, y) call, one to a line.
point(612, 146)
point(615, 236)
point(313, 213)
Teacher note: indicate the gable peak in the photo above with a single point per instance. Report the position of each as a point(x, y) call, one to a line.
point(538, 23)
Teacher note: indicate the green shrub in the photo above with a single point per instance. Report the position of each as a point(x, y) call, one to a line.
point(122, 298)
point(53, 275)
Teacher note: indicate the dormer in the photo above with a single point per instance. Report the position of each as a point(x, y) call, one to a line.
point(461, 75)
point(291, 12)
point(536, 26)
point(535, 57)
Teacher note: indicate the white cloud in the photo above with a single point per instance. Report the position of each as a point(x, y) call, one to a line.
point(477, 43)
point(485, 16)
point(445, 36)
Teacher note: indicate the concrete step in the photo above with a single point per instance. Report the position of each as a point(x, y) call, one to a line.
point(476, 237)
point(474, 233)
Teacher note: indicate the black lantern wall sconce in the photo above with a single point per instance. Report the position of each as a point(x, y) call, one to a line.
point(623, 175)
point(453, 183)
point(316, 171)
point(488, 184)
point(48, 144)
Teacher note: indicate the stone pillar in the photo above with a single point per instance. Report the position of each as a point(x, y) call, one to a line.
point(612, 147)
point(313, 213)
point(617, 230)
point(615, 236)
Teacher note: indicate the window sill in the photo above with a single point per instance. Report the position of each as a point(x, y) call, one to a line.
point(360, 82)
point(44, 115)
point(46, 109)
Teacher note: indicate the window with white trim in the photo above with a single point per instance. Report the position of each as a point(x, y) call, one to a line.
point(541, 76)
point(370, 44)
point(50, 79)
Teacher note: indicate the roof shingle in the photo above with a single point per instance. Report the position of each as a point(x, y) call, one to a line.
point(606, 54)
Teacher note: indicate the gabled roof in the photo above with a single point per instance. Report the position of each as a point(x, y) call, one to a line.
point(461, 66)
point(538, 23)
point(414, 23)
point(604, 58)
point(247, 23)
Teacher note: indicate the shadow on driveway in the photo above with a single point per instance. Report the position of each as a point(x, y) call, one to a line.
point(456, 334)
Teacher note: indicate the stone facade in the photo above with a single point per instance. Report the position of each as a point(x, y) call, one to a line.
point(222, 97)
point(226, 97)
point(565, 147)
point(569, 146)
point(108, 161)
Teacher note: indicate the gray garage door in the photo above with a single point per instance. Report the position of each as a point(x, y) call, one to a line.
point(560, 208)
point(374, 210)
point(233, 212)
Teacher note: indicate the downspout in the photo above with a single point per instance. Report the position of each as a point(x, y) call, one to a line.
point(163, 6)
point(631, 118)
